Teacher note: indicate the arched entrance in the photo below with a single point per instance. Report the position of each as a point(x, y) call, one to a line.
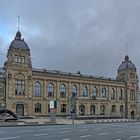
point(81, 110)
point(132, 114)
point(20, 110)
point(92, 110)
point(102, 110)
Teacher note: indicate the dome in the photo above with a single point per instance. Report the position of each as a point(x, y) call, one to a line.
point(127, 64)
point(19, 43)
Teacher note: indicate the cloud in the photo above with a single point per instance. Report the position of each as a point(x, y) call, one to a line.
point(85, 35)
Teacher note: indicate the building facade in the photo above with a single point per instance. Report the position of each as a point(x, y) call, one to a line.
point(28, 91)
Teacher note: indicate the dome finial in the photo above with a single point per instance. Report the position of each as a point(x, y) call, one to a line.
point(18, 35)
point(126, 58)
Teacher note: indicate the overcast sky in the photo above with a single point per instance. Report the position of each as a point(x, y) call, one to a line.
point(72, 35)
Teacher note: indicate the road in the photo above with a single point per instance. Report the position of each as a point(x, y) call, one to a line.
point(106, 131)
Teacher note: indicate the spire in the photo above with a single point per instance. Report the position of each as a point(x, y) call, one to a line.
point(18, 34)
point(126, 47)
point(18, 21)
point(126, 56)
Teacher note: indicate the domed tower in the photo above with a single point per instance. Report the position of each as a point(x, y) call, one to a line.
point(19, 52)
point(127, 73)
point(18, 69)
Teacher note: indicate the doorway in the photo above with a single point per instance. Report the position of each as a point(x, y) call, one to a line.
point(132, 115)
point(20, 110)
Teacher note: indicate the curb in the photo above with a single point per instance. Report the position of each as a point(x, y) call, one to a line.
point(109, 121)
point(22, 123)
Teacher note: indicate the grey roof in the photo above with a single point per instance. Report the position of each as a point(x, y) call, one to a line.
point(18, 43)
point(57, 72)
point(127, 64)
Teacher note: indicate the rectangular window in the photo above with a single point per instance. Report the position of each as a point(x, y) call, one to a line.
point(114, 108)
point(22, 59)
point(19, 87)
point(16, 58)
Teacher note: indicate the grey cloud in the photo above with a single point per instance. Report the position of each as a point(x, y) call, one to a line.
point(85, 35)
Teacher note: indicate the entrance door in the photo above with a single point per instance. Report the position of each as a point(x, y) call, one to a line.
point(20, 109)
point(132, 115)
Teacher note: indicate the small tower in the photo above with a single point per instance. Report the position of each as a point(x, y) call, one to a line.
point(127, 73)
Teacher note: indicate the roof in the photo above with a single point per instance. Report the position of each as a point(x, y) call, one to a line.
point(60, 73)
point(19, 43)
point(126, 64)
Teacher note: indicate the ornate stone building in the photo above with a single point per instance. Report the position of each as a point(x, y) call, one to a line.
point(28, 91)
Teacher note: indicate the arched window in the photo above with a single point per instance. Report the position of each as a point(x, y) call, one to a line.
point(37, 108)
point(102, 110)
point(62, 91)
point(50, 90)
point(81, 110)
point(74, 91)
point(103, 95)
point(95, 91)
point(92, 110)
point(85, 91)
point(121, 95)
point(37, 89)
point(113, 108)
point(113, 94)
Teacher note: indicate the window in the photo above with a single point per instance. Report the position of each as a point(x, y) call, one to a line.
point(113, 96)
point(16, 58)
point(62, 91)
point(37, 89)
point(20, 59)
point(50, 90)
point(132, 75)
point(74, 91)
point(85, 91)
point(20, 87)
point(121, 95)
point(81, 110)
point(95, 91)
point(113, 108)
point(37, 108)
point(63, 108)
point(121, 108)
point(103, 95)
point(48, 108)
point(102, 110)
point(132, 95)
point(92, 110)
